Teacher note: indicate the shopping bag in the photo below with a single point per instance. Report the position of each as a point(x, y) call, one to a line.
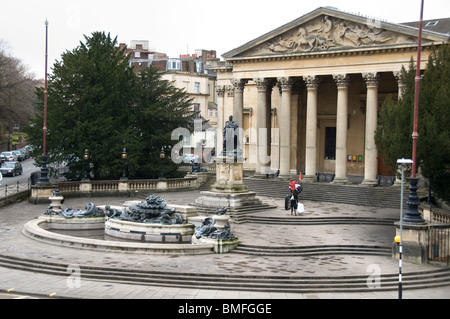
point(300, 208)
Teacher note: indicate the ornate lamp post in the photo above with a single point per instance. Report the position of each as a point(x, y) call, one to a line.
point(124, 163)
point(85, 165)
point(162, 155)
point(399, 239)
point(413, 215)
point(43, 180)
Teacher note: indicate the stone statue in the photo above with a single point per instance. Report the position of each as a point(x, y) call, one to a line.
point(197, 168)
point(91, 211)
point(231, 145)
point(209, 230)
point(221, 211)
point(206, 228)
point(153, 210)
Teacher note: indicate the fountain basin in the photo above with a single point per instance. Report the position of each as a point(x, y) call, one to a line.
point(40, 229)
point(179, 233)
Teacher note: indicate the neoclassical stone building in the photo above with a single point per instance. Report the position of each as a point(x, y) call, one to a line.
point(314, 87)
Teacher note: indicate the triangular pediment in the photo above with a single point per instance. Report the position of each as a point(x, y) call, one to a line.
point(328, 30)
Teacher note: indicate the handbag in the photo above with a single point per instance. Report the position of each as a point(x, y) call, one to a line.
point(300, 208)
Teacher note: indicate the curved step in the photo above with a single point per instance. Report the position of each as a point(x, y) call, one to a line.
point(298, 284)
point(301, 220)
point(313, 250)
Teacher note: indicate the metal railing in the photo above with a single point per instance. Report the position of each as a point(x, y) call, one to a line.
point(439, 243)
point(7, 190)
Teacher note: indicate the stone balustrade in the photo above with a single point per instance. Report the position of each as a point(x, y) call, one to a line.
point(113, 188)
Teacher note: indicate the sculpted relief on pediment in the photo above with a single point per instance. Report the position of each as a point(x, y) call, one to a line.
point(327, 33)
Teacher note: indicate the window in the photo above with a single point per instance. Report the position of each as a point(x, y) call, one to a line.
point(137, 54)
point(173, 65)
point(196, 107)
point(197, 87)
point(198, 66)
point(432, 23)
point(330, 143)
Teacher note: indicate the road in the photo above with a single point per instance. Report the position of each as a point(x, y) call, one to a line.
point(28, 168)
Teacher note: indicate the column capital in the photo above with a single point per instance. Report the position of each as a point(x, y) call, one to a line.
point(230, 90)
point(342, 80)
point(220, 90)
point(286, 83)
point(262, 84)
point(239, 84)
point(312, 82)
point(372, 79)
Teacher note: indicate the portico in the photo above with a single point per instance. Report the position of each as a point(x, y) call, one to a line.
point(307, 94)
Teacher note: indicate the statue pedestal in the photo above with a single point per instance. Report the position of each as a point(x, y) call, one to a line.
point(229, 176)
point(415, 242)
point(40, 194)
point(56, 203)
point(220, 246)
point(229, 190)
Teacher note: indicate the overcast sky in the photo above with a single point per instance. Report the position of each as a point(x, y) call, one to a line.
point(174, 27)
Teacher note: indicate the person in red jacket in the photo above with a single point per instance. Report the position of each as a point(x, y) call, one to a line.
point(292, 185)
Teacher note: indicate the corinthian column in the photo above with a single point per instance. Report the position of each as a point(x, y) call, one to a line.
point(401, 84)
point(312, 83)
point(262, 158)
point(285, 127)
point(371, 153)
point(220, 120)
point(342, 82)
point(238, 111)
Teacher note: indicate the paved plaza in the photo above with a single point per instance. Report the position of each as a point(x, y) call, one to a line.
point(14, 243)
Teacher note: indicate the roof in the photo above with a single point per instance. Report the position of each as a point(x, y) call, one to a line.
point(435, 25)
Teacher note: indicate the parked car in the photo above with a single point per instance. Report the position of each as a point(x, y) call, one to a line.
point(191, 158)
point(11, 169)
point(10, 156)
point(2, 159)
point(19, 154)
point(25, 152)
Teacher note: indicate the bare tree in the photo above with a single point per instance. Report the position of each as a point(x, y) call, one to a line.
point(17, 96)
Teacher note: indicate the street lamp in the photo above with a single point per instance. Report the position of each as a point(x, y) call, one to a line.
point(85, 165)
point(413, 215)
point(43, 180)
point(162, 155)
point(124, 162)
point(399, 239)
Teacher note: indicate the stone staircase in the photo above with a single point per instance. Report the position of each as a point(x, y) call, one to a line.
point(235, 213)
point(313, 250)
point(226, 281)
point(380, 196)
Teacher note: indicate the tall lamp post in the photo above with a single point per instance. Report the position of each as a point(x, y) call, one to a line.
point(43, 180)
point(413, 215)
point(85, 165)
point(399, 239)
point(162, 155)
point(124, 163)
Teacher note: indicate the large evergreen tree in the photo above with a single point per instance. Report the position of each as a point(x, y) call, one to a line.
point(434, 122)
point(395, 123)
point(96, 102)
point(157, 113)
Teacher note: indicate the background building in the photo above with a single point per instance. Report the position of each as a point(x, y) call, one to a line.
point(315, 86)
